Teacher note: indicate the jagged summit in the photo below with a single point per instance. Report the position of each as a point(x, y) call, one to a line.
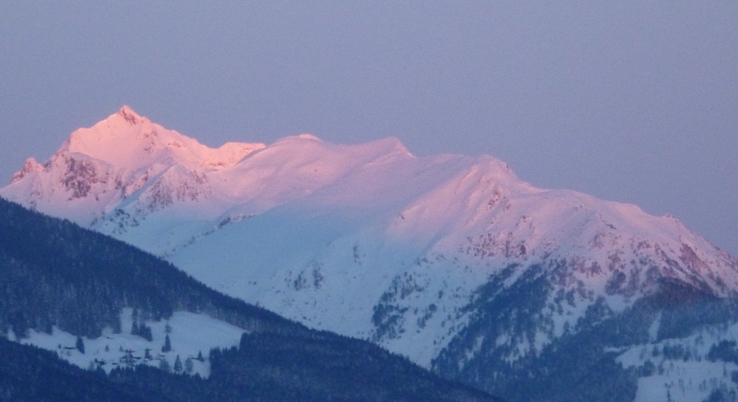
point(130, 116)
point(128, 140)
point(30, 166)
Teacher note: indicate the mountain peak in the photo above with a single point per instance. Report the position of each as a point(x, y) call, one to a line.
point(125, 125)
point(30, 166)
point(130, 116)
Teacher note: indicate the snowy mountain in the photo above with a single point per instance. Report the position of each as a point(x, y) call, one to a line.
point(144, 330)
point(450, 260)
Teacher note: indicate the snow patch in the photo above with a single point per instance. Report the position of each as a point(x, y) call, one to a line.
point(191, 336)
point(679, 370)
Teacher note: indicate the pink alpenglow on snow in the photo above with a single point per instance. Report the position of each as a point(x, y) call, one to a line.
point(323, 233)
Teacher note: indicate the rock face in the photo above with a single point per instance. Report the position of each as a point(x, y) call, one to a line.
point(450, 260)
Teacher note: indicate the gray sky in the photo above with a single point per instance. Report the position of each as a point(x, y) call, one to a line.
point(629, 101)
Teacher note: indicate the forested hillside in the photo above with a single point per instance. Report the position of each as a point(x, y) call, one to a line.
point(55, 275)
point(58, 274)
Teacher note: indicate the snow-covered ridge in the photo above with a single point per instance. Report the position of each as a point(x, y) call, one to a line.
point(366, 240)
point(127, 140)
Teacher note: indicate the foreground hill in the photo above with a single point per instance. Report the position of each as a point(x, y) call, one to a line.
point(449, 260)
point(110, 308)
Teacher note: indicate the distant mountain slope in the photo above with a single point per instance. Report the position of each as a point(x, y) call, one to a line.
point(449, 260)
point(57, 278)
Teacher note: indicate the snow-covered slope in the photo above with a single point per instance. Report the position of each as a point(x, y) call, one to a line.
point(192, 337)
point(368, 240)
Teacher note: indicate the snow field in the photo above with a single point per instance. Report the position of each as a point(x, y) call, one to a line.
point(683, 379)
point(190, 335)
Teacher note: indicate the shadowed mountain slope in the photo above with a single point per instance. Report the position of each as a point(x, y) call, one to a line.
point(56, 277)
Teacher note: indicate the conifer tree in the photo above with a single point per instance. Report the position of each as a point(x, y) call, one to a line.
point(80, 345)
point(177, 365)
point(167, 345)
point(164, 365)
point(144, 331)
point(128, 359)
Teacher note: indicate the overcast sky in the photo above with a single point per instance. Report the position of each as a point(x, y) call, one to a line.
point(629, 101)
